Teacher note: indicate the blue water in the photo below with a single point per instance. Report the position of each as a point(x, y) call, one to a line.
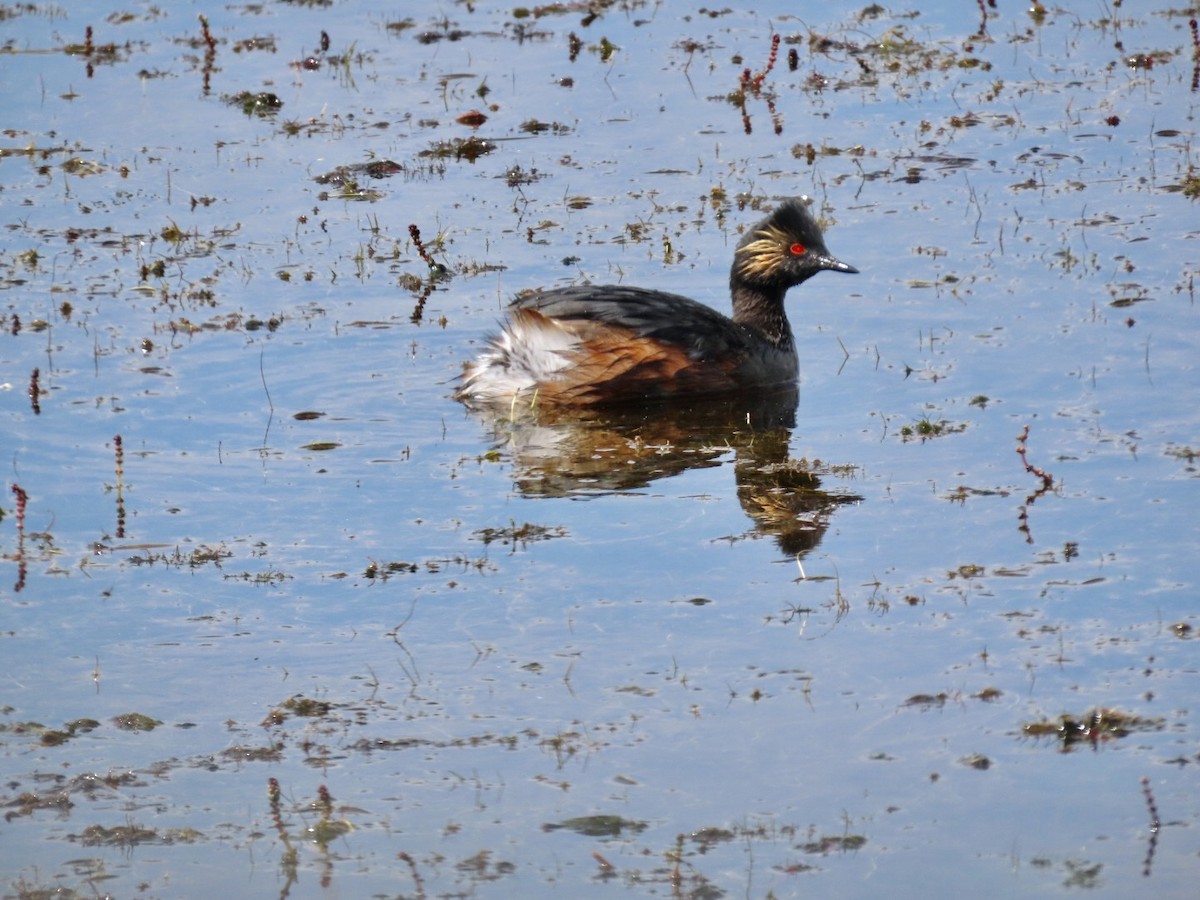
point(769, 640)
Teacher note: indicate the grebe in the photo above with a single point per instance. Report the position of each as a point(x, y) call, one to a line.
point(588, 345)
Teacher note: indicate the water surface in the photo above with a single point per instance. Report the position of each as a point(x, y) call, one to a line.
point(845, 642)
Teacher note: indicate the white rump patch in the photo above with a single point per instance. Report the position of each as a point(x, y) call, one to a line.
point(530, 350)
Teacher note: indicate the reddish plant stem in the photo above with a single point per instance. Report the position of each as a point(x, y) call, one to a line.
point(210, 53)
point(1047, 485)
point(416, 875)
point(35, 392)
point(758, 79)
point(1047, 478)
point(22, 499)
point(22, 563)
point(209, 41)
point(415, 233)
point(754, 82)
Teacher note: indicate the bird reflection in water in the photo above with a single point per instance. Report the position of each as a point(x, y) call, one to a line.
point(600, 451)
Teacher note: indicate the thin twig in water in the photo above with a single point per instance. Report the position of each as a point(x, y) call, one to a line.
point(270, 405)
point(1155, 824)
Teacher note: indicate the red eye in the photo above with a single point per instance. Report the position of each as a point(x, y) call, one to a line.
point(797, 249)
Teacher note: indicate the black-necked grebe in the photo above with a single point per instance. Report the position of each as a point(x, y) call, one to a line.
point(586, 345)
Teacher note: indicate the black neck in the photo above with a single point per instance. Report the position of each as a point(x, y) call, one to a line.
point(762, 310)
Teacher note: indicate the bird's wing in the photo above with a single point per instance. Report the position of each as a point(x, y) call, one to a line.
point(681, 322)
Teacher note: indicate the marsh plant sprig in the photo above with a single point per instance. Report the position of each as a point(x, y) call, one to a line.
point(290, 857)
point(210, 53)
point(1046, 477)
point(35, 391)
point(983, 15)
point(1195, 54)
point(436, 269)
point(752, 84)
point(119, 454)
point(22, 564)
point(209, 41)
point(1046, 486)
point(424, 288)
point(1155, 823)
